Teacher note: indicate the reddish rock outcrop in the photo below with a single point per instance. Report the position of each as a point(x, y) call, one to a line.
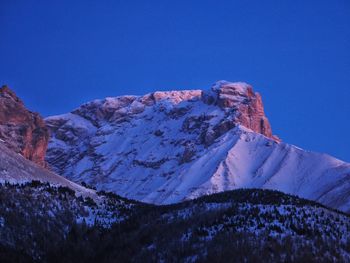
point(247, 104)
point(21, 130)
point(252, 115)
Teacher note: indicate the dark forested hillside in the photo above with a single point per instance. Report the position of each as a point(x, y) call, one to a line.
point(42, 223)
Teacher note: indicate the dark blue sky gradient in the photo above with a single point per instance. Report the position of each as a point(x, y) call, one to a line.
point(58, 54)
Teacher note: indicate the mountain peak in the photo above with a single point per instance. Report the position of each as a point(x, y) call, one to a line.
point(236, 100)
point(241, 87)
point(230, 94)
point(6, 92)
point(246, 106)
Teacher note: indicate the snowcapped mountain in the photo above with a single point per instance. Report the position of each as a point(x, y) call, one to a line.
point(166, 147)
point(162, 148)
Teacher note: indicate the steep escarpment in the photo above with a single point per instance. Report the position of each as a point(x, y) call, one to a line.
point(165, 147)
point(21, 130)
point(247, 105)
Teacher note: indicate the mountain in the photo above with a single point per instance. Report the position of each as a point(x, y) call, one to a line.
point(21, 130)
point(235, 226)
point(166, 147)
point(187, 143)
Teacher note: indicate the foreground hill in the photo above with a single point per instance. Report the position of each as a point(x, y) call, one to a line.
point(166, 147)
point(37, 217)
point(49, 224)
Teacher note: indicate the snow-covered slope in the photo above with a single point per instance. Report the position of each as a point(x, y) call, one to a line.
point(165, 147)
point(15, 169)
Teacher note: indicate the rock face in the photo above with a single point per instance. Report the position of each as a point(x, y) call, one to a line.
point(249, 106)
point(165, 147)
point(21, 130)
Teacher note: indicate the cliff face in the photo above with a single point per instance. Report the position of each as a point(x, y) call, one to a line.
point(247, 106)
point(21, 130)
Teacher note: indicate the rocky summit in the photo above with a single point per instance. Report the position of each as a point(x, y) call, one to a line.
point(245, 105)
point(166, 147)
point(21, 130)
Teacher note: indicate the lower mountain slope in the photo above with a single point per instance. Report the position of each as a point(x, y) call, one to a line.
point(15, 169)
point(249, 225)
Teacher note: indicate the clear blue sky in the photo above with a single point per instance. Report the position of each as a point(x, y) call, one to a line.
point(59, 54)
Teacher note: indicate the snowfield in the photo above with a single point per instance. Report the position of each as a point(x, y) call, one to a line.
point(15, 169)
